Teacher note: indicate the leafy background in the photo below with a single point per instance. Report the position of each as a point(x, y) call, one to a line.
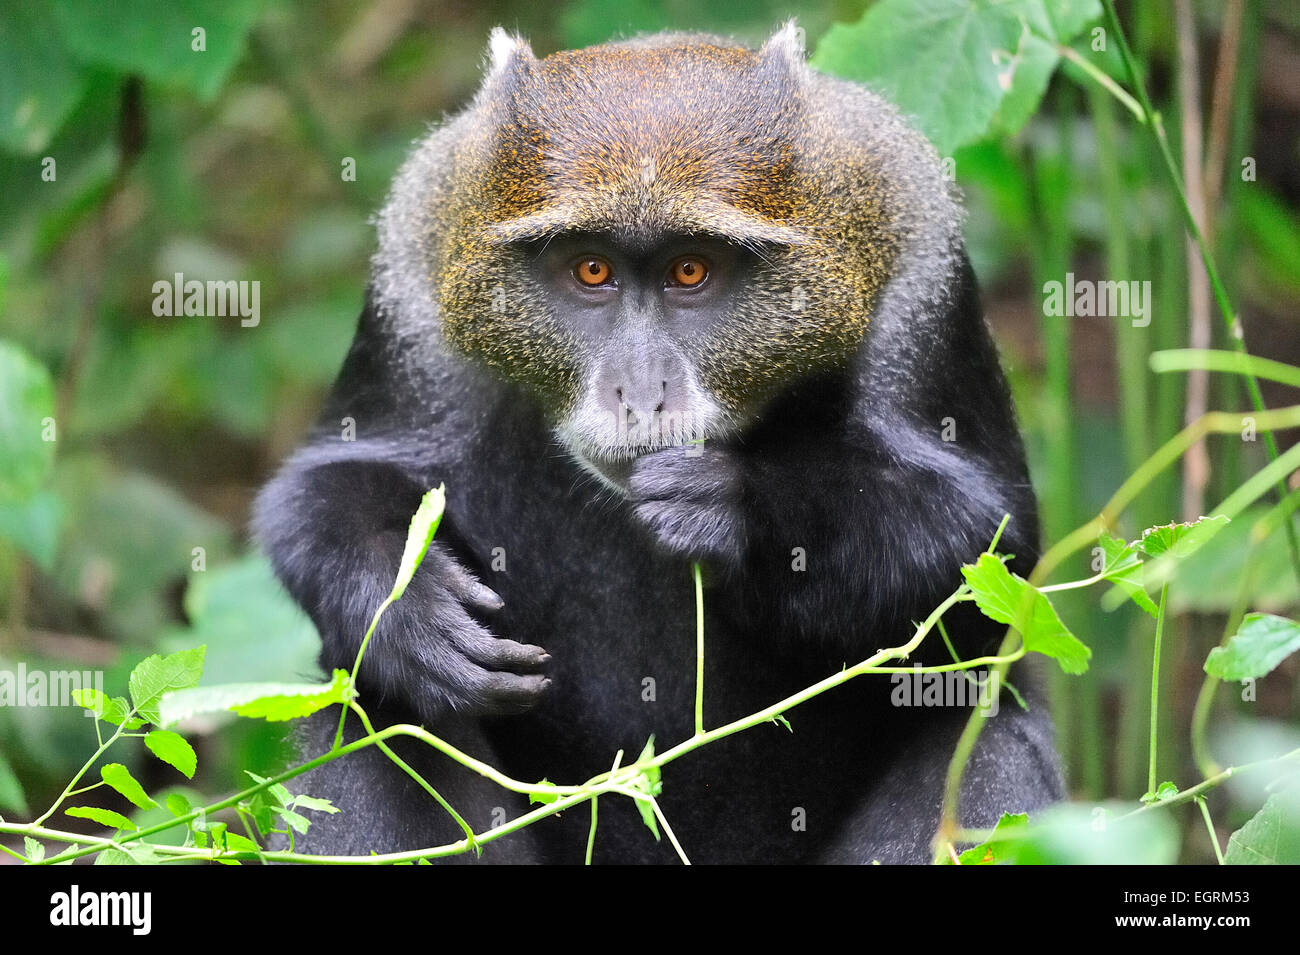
point(226, 164)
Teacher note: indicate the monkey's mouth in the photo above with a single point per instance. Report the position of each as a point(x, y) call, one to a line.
point(612, 463)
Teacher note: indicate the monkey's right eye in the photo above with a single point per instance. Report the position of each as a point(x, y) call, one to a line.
point(592, 271)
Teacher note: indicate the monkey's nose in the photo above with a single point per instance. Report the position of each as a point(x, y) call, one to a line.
point(640, 404)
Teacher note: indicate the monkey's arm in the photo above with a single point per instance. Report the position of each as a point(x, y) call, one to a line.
point(334, 522)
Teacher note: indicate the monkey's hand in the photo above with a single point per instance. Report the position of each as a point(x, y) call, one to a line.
point(689, 499)
point(435, 652)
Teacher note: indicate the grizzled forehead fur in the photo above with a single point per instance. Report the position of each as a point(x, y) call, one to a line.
point(678, 135)
point(651, 141)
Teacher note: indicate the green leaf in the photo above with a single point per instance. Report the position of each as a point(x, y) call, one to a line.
point(1080, 834)
point(42, 81)
point(1259, 645)
point(270, 701)
point(112, 856)
point(26, 401)
point(70, 848)
point(992, 851)
point(782, 721)
point(241, 613)
point(120, 778)
point(32, 524)
point(544, 798)
point(1010, 599)
point(300, 824)
point(34, 851)
point(1123, 566)
point(1271, 837)
point(1180, 538)
point(648, 782)
point(157, 675)
point(11, 790)
point(154, 40)
point(178, 805)
point(1164, 791)
point(423, 526)
point(315, 804)
point(237, 843)
point(112, 710)
point(173, 749)
point(105, 817)
point(131, 853)
point(983, 60)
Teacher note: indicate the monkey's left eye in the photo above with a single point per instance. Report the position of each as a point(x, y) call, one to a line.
point(592, 271)
point(688, 272)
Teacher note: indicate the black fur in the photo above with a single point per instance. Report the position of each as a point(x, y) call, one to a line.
point(597, 595)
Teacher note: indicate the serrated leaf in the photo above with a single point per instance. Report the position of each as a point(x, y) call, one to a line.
point(269, 701)
point(157, 675)
point(120, 778)
point(105, 817)
point(1010, 599)
point(1164, 791)
point(34, 851)
point(1180, 538)
point(424, 524)
point(1259, 645)
point(111, 710)
point(1271, 837)
point(985, 60)
point(1123, 567)
point(173, 749)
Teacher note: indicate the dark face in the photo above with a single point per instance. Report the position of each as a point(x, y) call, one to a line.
point(640, 308)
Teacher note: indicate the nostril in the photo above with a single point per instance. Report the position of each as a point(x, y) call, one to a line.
point(618, 393)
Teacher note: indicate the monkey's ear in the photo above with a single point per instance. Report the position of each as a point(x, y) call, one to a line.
point(786, 44)
point(505, 52)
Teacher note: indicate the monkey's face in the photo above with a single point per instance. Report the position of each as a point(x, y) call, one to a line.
point(641, 309)
point(657, 241)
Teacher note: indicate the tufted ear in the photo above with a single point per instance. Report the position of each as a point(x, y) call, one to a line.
point(505, 52)
point(786, 44)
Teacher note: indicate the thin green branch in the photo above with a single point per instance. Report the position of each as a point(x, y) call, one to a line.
point(1155, 689)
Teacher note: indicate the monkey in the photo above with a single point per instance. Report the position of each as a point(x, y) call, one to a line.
point(663, 302)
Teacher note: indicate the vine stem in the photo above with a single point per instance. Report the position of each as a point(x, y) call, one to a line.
point(699, 649)
point(1209, 826)
point(1155, 689)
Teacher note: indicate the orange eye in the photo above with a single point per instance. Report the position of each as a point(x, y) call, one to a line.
point(592, 271)
point(689, 272)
